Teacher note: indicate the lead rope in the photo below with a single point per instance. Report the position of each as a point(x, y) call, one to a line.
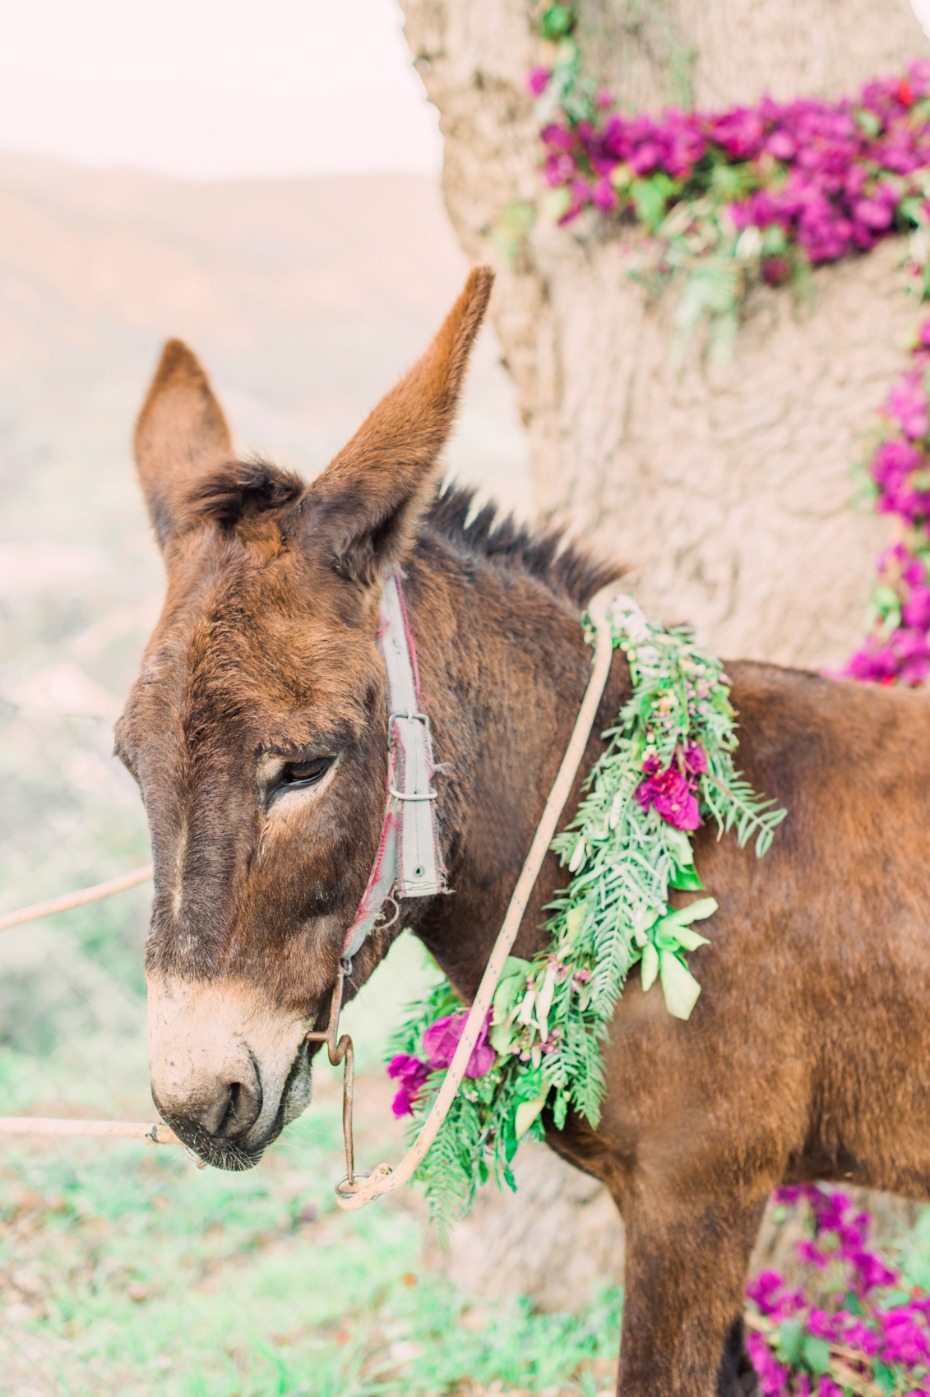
point(356, 1190)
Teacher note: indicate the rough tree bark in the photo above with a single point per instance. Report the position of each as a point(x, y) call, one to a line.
point(725, 486)
point(718, 481)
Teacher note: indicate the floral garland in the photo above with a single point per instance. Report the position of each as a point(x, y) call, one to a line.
point(668, 765)
point(868, 1331)
point(897, 475)
point(732, 198)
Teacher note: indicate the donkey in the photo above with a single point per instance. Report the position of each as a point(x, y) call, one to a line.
point(257, 732)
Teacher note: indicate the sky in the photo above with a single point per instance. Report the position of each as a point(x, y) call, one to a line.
point(213, 89)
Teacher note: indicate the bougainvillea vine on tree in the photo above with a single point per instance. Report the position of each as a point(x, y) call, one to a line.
point(766, 193)
point(753, 193)
point(897, 644)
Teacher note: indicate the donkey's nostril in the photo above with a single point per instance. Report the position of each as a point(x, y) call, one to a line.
point(243, 1108)
point(231, 1111)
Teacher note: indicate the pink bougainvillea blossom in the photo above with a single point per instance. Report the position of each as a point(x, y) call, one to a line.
point(412, 1074)
point(897, 648)
point(695, 758)
point(832, 175)
point(671, 792)
point(439, 1044)
point(866, 1319)
point(442, 1038)
point(907, 402)
point(538, 80)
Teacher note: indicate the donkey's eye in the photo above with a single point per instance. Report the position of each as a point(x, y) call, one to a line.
point(309, 773)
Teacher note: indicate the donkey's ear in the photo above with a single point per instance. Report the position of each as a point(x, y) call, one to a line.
point(365, 506)
point(181, 437)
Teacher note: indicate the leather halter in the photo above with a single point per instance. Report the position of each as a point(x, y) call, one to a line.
point(409, 861)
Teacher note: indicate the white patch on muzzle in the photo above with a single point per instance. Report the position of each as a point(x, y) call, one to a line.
point(204, 1036)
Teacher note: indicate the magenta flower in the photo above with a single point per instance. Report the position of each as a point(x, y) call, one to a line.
point(776, 271)
point(412, 1075)
point(821, 179)
point(538, 80)
point(646, 157)
point(865, 1309)
point(907, 402)
point(695, 758)
point(760, 210)
point(892, 466)
point(671, 792)
point(442, 1038)
point(871, 664)
point(915, 611)
point(874, 213)
point(782, 144)
point(913, 653)
point(740, 131)
point(850, 164)
point(604, 196)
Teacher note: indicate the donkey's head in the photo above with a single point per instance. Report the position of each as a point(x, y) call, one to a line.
point(257, 731)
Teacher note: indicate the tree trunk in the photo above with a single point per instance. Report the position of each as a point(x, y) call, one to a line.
point(725, 486)
point(713, 481)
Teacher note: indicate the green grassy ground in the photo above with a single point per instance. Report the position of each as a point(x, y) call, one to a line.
point(136, 1272)
point(126, 1269)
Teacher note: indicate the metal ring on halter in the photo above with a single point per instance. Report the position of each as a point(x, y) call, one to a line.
point(402, 795)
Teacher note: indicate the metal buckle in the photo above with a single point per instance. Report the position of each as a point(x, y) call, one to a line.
point(414, 717)
point(340, 1050)
point(392, 742)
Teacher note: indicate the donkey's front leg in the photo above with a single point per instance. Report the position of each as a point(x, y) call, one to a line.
point(687, 1255)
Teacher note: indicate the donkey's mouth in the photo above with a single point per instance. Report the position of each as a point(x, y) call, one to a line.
point(220, 1154)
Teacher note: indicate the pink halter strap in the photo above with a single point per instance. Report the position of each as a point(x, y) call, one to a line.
point(409, 861)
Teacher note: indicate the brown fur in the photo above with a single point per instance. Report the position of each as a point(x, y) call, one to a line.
point(806, 1054)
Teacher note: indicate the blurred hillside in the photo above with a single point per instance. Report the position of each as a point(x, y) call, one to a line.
point(304, 298)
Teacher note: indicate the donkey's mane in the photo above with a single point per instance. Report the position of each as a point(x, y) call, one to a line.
point(240, 489)
point(498, 538)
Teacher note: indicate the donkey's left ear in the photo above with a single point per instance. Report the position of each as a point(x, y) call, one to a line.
point(365, 506)
point(181, 437)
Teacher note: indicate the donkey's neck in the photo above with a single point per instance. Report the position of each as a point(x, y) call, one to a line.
point(504, 667)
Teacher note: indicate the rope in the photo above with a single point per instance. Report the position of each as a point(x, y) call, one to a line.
point(78, 899)
point(158, 1134)
point(384, 1179)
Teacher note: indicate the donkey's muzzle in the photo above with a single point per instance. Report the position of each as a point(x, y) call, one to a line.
point(229, 1069)
point(217, 1129)
point(226, 1116)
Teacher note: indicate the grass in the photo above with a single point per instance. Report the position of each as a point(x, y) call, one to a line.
point(126, 1269)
